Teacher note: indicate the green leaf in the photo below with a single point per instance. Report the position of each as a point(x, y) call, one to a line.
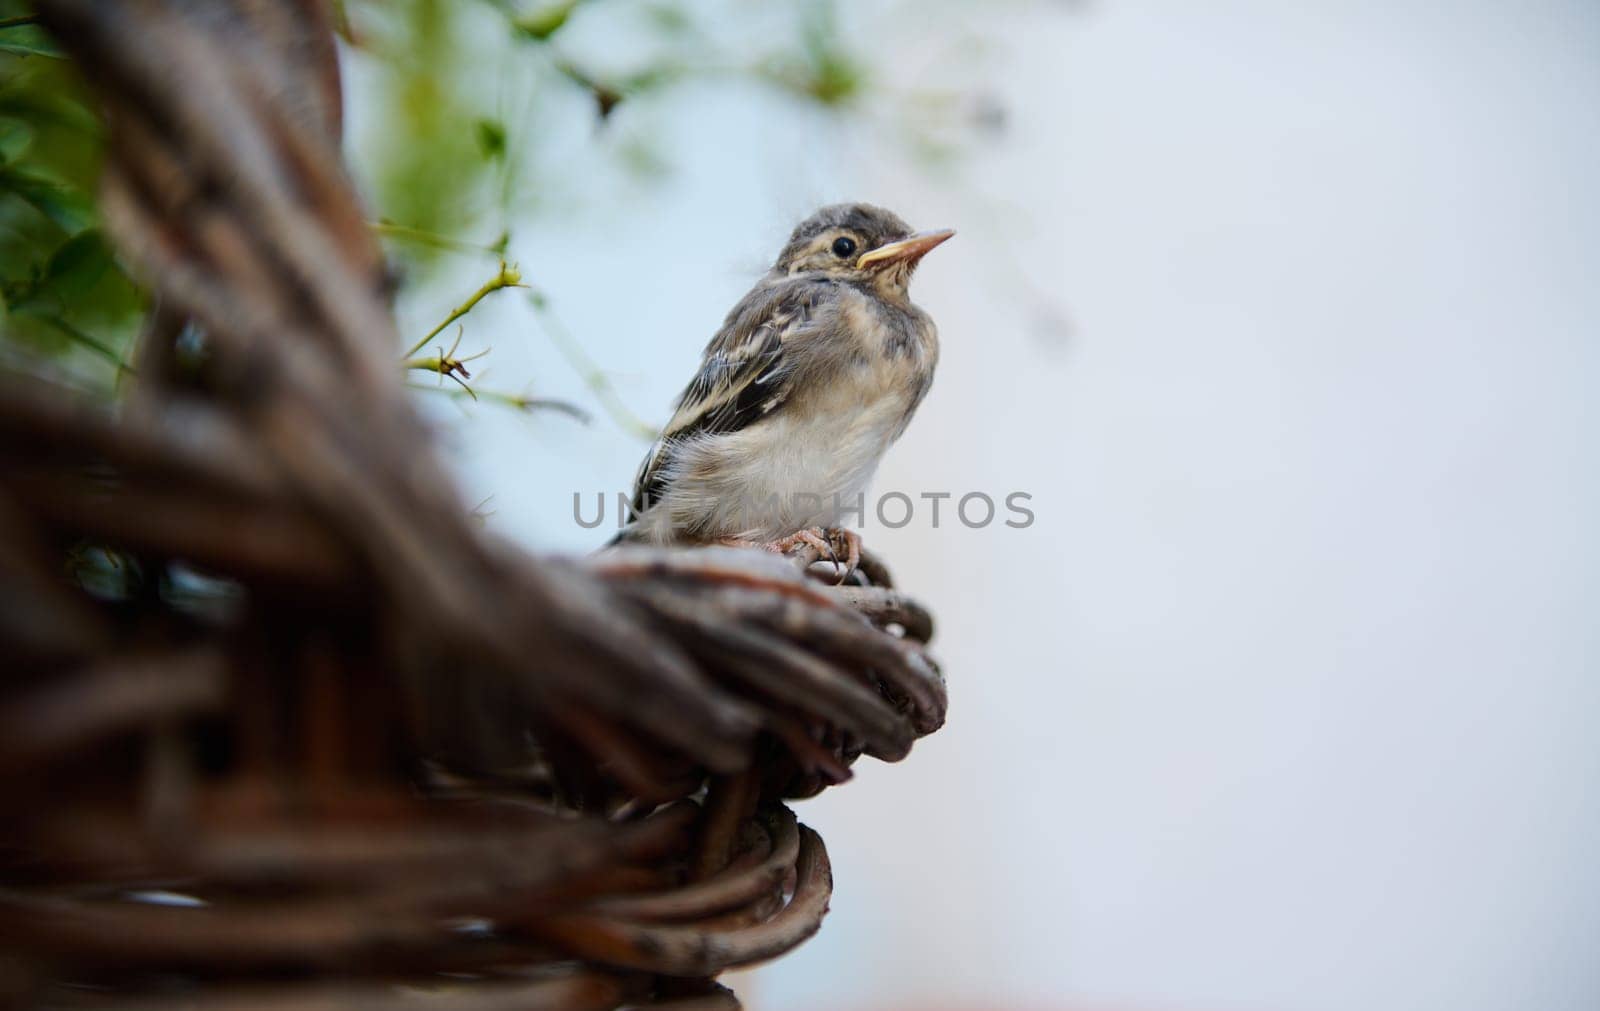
point(28, 48)
point(69, 208)
point(77, 265)
point(26, 39)
point(81, 293)
point(71, 333)
point(44, 100)
point(34, 330)
point(15, 138)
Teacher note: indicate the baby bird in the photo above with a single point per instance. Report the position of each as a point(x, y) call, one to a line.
point(813, 374)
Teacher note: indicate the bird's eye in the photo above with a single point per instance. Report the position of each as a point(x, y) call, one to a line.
point(843, 247)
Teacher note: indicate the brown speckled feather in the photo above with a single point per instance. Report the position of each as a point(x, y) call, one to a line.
point(744, 374)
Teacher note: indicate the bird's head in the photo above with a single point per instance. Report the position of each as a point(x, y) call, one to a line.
point(858, 242)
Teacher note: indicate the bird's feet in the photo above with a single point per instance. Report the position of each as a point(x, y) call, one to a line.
point(814, 544)
point(835, 544)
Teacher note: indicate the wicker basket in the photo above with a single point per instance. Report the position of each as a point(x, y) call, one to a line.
point(281, 726)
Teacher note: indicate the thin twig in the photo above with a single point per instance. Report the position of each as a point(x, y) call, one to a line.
point(507, 277)
point(515, 401)
point(590, 372)
point(447, 364)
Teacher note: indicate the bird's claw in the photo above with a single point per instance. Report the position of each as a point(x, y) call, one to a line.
point(835, 544)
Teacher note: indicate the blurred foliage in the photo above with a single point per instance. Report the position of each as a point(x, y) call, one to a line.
point(433, 146)
point(823, 68)
point(461, 83)
point(457, 102)
point(61, 288)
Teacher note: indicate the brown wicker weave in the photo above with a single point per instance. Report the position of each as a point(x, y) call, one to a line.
point(296, 732)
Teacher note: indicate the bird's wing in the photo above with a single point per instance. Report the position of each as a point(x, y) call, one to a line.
point(744, 376)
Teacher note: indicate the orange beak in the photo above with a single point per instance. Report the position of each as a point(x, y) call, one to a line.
point(911, 248)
